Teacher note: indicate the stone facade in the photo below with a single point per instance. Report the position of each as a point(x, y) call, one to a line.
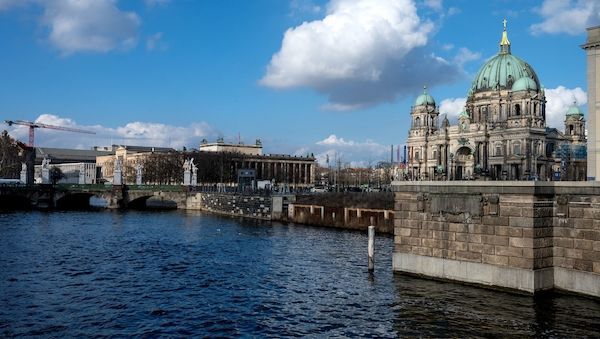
point(520, 235)
point(501, 134)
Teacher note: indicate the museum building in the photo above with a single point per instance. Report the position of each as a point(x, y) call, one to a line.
point(502, 132)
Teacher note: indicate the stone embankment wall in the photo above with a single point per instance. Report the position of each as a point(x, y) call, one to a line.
point(342, 217)
point(251, 206)
point(529, 236)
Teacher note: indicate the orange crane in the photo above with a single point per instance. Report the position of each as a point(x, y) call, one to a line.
point(34, 125)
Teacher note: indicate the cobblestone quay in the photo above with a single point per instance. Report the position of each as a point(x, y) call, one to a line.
point(528, 236)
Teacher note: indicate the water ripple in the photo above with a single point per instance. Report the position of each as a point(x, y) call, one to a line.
point(179, 274)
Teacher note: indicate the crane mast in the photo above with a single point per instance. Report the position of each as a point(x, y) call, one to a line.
point(33, 125)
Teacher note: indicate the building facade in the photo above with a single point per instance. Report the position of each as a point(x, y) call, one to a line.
point(592, 48)
point(501, 134)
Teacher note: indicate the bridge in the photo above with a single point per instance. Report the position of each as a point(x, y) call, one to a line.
point(90, 196)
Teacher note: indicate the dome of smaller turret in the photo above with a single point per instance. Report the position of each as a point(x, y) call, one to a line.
point(574, 111)
point(424, 99)
point(524, 84)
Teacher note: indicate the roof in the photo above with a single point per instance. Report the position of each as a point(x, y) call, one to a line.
point(504, 70)
point(574, 111)
point(66, 155)
point(424, 99)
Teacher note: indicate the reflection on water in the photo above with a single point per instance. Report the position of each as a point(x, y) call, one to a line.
point(181, 274)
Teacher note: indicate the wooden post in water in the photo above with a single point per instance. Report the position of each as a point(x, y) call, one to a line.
point(371, 247)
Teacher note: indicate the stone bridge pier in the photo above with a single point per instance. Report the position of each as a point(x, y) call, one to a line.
point(527, 236)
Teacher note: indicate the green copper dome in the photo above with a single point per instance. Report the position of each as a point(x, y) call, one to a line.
point(501, 72)
point(424, 99)
point(505, 70)
point(524, 84)
point(574, 111)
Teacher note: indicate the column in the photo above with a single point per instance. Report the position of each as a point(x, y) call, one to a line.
point(592, 48)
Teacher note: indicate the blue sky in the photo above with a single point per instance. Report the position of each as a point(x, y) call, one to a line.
point(306, 76)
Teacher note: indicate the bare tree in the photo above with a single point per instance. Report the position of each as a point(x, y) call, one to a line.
point(10, 158)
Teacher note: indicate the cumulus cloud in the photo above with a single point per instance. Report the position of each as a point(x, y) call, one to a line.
point(567, 16)
point(89, 26)
point(558, 101)
point(85, 25)
point(350, 151)
point(133, 133)
point(452, 107)
point(362, 53)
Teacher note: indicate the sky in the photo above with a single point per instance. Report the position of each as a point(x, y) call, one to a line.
point(333, 78)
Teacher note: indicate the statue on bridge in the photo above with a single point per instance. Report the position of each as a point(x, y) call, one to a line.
point(190, 173)
point(23, 173)
point(138, 174)
point(194, 173)
point(45, 171)
point(118, 172)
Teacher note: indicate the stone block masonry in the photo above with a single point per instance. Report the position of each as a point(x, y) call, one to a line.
point(249, 206)
point(529, 236)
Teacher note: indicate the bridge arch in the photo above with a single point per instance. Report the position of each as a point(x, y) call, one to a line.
point(151, 202)
point(74, 201)
point(9, 202)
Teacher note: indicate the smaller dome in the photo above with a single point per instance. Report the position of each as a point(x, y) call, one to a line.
point(424, 99)
point(574, 111)
point(524, 84)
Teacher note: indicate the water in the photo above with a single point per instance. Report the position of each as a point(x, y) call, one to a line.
point(190, 274)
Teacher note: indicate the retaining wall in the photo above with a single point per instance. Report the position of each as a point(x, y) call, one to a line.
point(529, 236)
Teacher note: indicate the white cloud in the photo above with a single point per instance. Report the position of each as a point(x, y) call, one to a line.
point(436, 5)
point(153, 3)
point(567, 16)
point(362, 53)
point(465, 55)
point(558, 101)
point(89, 26)
point(155, 42)
point(133, 133)
point(6, 4)
point(356, 152)
point(299, 7)
point(452, 107)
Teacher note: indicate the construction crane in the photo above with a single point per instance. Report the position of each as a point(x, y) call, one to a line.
point(34, 125)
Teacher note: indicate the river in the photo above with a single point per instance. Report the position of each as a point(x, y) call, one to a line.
point(75, 274)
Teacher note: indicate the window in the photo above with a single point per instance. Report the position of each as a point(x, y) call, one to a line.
point(498, 150)
point(517, 148)
point(417, 122)
point(416, 155)
point(434, 153)
point(517, 109)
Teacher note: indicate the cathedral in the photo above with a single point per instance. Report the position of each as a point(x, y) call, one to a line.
point(502, 132)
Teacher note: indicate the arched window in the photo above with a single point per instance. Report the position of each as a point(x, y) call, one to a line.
point(417, 122)
point(517, 109)
point(571, 130)
point(498, 150)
